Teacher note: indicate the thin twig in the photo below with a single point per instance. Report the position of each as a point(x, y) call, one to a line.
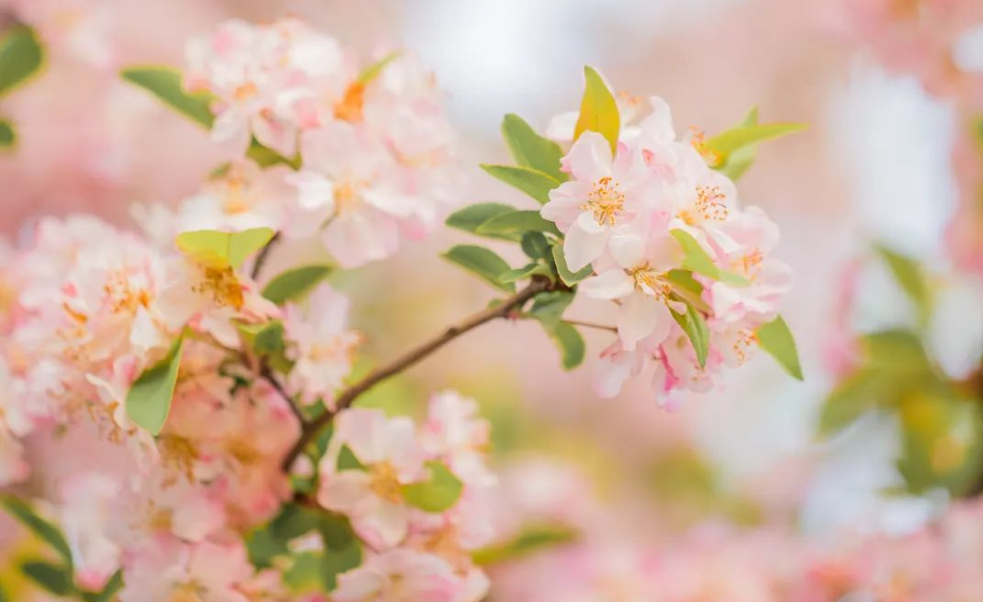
point(261, 258)
point(591, 325)
point(267, 374)
point(349, 395)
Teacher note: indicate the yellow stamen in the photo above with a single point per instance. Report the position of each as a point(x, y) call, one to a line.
point(385, 482)
point(605, 201)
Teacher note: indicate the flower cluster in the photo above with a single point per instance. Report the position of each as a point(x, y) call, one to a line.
point(420, 551)
point(374, 150)
point(642, 215)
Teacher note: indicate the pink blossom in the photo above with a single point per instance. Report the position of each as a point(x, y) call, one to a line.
point(399, 576)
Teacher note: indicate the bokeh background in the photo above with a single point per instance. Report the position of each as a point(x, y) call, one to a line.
point(877, 166)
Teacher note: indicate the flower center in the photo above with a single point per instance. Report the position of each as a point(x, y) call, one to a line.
point(385, 482)
point(708, 206)
point(187, 592)
point(222, 283)
point(650, 282)
point(605, 201)
point(122, 296)
point(349, 108)
point(346, 196)
point(746, 339)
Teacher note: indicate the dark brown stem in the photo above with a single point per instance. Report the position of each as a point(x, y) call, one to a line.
point(263, 255)
point(411, 357)
point(267, 374)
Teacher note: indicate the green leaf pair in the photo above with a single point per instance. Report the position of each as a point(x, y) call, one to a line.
point(223, 249)
point(736, 149)
point(21, 58)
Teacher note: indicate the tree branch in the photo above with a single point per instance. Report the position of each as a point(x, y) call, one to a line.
point(267, 374)
point(261, 258)
point(411, 357)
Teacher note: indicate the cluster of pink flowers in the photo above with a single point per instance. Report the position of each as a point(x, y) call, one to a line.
point(374, 148)
point(416, 554)
point(625, 213)
point(87, 309)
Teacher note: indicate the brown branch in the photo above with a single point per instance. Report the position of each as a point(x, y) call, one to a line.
point(411, 357)
point(267, 374)
point(263, 255)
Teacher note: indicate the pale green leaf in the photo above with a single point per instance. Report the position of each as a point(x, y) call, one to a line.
point(529, 149)
point(725, 144)
point(531, 540)
point(569, 278)
point(471, 217)
point(570, 344)
point(21, 57)
point(699, 261)
point(165, 84)
point(265, 156)
point(439, 493)
point(515, 223)
point(695, 327)
point(598, 110)
point(149, 401)
point(741, 159)
point(294, 284)
point(533, 182)
point(483, 263)
point(373, 71)
point(911, 277)
point(776, 338)
point(223, 248)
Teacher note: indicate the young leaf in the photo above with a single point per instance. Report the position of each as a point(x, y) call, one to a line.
point(725, 144)
point(911, 277)
point(598, 110)
point(700, 262)
point(570, 343)
point(265, 338)
point(373, 71)
point(8, 136)
point(515, 223)
point(21, 56)
point(294, 284)
point(741, 159)
point(165, 84)
point(695, 327)
point(531, 540)
point(530, 181)
point(265, 156)
point(524, 272)
point(437, 494)
point(149, 400)
point(776, 338)
point(688, 289)
point(40, 527)
point(51, 577)
point(529, 149)
point(482, 262)
point(472, 217)
point(223, 248)
point(569, 278)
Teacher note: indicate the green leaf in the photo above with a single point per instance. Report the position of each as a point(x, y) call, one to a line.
point(347, 460)
point(535, 246)
point(515, 223)
point(8, 136)
point(373, 71)
point(109, 592)
point(524, 272)
point(295, 283)
point(741, 159)
point(213, 247)
point(569, 278)
point(471, 217)
point(482, 262)
point(165, 84)
point(776, 338)
point(304, 575)
point(911, 277)
point(438, 494)
point(688, 289)
point(695, 327)
point(265, 338)
point(52, 578)
point(149, 401)
point(533, 182)
point(338, 560)
point(548, 307)
point(851, 399)
point(598, 110)
point(21, 57)
point(529, 149)
point(40, 527)
point(697, 260)
point(265, 156)
point(742, 136)
point(4, 597)
point(531, 540)
point(570, 344)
